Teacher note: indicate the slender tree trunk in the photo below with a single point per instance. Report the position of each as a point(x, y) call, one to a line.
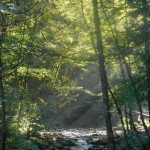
point(146, 34)
point(126, 117)
point(132, 126)
point(145, 10)
point(137, 98)
point(120, 114)
point(118, 110)
point(125, 105)
point(2, 95)
point(2, 98)
point(86, 23)
point(114, 33)
point(103, 76)
point(19, 114)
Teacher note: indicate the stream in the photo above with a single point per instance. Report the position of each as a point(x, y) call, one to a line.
point(77, 139)
point(80, 137)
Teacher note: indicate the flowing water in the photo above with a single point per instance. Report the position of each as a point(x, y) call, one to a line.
point(81, 136)
point(81, 145)
point(77, 139)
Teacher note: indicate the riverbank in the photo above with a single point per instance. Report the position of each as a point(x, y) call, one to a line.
point(76, 139)
point(89, 139)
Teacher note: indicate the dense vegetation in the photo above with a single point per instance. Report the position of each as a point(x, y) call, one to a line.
point(42, 44)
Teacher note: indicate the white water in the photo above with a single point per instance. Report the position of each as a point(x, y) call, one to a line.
point(81, 145)
point(80, 135)
point(75, 133)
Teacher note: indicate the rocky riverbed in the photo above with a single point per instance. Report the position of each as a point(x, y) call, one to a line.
point(76, 139)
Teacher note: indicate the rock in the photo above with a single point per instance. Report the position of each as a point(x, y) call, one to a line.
point(99, 142)
point(76, 139)
point(67, 142)
point(100, 147)
point(95, 134)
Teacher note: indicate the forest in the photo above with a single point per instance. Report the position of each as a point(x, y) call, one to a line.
point(58, 55)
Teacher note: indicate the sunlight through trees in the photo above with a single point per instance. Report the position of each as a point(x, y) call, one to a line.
point(46, 47)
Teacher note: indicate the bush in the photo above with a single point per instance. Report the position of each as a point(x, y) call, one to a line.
point(20, 142)
point(135, 142)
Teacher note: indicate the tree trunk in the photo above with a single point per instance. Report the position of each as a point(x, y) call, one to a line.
point(126, 117)
point(118, 110)
point(19, 114)
point(114, 33)
point(131, 122)
point(2, 98)
point(146, 34)
point(103, 76)
point(136, 96)
point(120, 114)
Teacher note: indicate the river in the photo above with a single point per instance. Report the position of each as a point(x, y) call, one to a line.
point(79, 139)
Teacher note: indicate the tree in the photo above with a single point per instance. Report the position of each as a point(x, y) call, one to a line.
point(103, 76)
point(146, 36)
point(2, 95)
point(36, 59)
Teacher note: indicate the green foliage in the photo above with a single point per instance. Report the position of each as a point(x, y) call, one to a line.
point(22, 129)
point(36, 59)
point(135, 142)
point(42, 44)
point(21, 142)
